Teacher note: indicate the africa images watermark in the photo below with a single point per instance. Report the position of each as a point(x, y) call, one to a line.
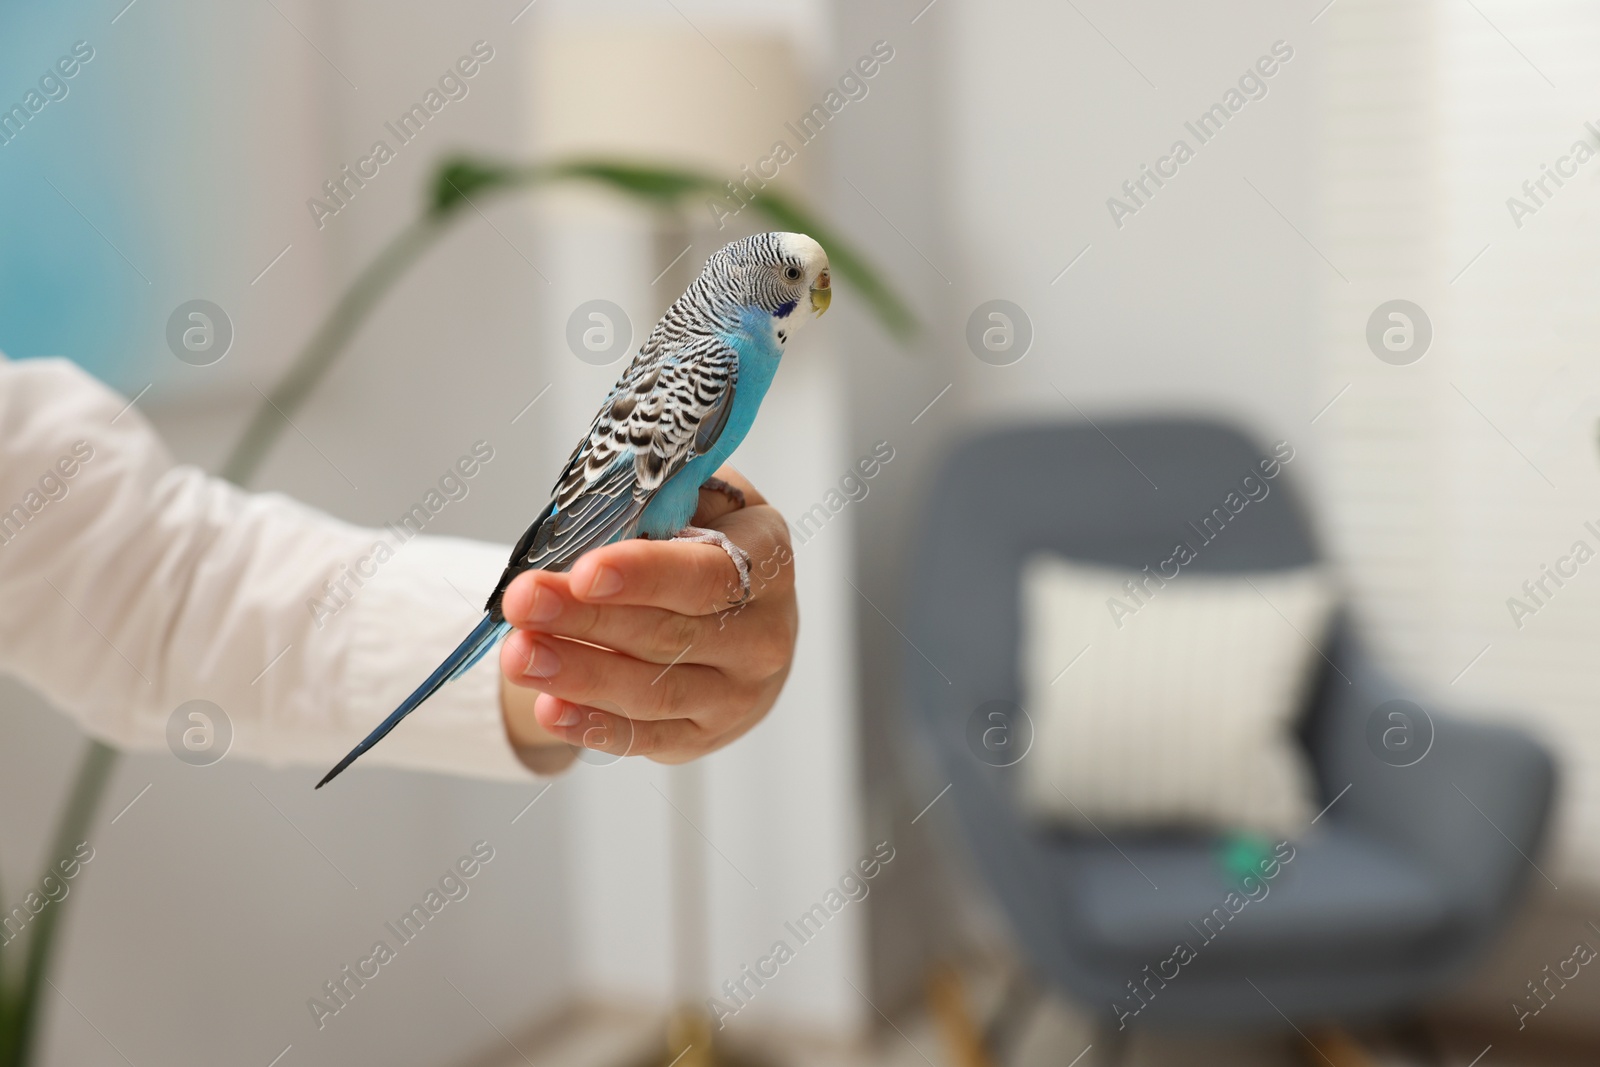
point(1537, 592)
point(53, 889)
point(1542, 993)
point(452, 886)
point(453, 85)
point(1209, 528)
point(53, 485)
point(851, 87)
point(853, 489)
point(852, 888)
point(1252, 889)
point(52, 87)
point(1252, 85)
point(1536, 192)
point(339, 591)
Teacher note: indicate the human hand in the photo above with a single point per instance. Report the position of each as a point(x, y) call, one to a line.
point(638, 650)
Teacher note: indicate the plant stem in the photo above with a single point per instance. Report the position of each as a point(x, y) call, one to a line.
point(93, 773)
point(323, 349)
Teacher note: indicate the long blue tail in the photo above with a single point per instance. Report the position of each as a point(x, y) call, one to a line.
point(483, 637)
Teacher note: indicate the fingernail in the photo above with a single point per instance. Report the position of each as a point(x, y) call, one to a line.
point(569, 717)
point(545, 607)
point(607, 581)
point(542, 662)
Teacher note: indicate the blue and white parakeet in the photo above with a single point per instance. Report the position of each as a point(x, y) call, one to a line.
point(676, 414)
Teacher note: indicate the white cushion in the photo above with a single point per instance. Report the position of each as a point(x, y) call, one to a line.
point(1180, 702)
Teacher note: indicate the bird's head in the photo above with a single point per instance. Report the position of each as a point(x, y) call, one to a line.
point(784, 275)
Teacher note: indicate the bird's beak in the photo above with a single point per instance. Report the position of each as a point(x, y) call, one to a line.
point(821, 295)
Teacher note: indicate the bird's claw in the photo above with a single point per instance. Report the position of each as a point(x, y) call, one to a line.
point(732, 492)
point(741, 558)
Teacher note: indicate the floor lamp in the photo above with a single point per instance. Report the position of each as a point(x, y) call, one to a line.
point(668, 94)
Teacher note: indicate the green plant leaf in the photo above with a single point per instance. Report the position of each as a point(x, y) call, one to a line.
point(460, 178)
point(663, 184)
point(462, 181)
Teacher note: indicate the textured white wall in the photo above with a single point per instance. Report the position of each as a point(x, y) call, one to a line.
point(979, 168)
point(1462, 476)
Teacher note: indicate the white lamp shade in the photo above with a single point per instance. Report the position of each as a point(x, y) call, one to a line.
point(663, 93)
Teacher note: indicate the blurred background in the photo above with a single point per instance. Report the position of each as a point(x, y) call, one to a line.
point(997, 152)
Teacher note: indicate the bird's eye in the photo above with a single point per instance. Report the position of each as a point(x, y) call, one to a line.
point(792, 273)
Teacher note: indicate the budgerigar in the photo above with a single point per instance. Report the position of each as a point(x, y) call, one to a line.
point(676, 414)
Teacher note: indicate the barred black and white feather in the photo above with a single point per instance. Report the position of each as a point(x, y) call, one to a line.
point(684, 375)
point(670, 406)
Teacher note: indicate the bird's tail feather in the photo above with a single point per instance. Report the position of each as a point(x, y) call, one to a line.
point(494, 634)
point(477, 644)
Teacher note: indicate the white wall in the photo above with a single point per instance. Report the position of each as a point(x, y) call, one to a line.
point(979, 168)
point(1455, 479)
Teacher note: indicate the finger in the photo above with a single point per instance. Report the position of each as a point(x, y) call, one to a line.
point(584, 674)
point(758, 646)
point(669, 741)
point(688, 577)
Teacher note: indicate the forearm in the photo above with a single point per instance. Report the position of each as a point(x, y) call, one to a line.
point(143, 585)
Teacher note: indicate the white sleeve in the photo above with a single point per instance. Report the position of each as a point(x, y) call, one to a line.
point(130, 585)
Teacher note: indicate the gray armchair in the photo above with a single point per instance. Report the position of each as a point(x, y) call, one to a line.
point(1407, 876)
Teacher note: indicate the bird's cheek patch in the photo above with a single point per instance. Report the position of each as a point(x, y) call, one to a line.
point(784, 310)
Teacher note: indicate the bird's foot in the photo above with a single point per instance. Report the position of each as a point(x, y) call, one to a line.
point(741, 558)
point(732, 492)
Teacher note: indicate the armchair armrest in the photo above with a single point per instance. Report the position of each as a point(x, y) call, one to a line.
point(1469, 799)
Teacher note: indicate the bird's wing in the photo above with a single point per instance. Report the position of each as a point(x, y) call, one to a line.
point(665, 411)
point(715, 420)
point(560, 535)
